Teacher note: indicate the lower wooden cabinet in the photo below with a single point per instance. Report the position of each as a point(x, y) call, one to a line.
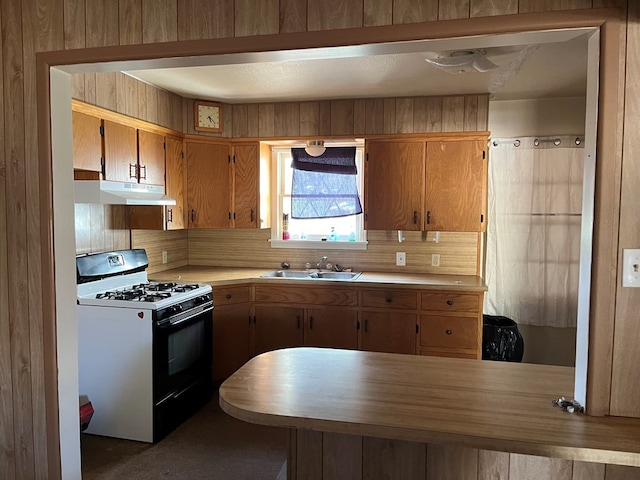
point(277, 327)
point(335, 327)
point(390, 332)
point(451, 324)
point(379, 319)
point(231, 328)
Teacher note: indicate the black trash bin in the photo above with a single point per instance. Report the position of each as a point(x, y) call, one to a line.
point(501, 339)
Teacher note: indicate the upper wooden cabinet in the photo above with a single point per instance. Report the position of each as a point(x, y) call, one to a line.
point(120, 152)
point(87, 142)
point(456, 186)
point(227, 179)
point(150, 167)
point(208, 184)
point(394, 185)
point(246, 185)
point(419, 184)
point(169, 217)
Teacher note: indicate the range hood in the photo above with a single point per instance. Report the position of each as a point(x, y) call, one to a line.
point(120, 193)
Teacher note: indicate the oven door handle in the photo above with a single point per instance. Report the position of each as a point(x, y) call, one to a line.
point(181, 318)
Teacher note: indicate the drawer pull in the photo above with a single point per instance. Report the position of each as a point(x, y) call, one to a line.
point(298, 318)
point(449, 302)
point(388, 300)
point(228, 295)
point(311, 323)
point(448, 332)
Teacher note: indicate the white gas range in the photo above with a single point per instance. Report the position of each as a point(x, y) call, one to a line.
point(144, 347)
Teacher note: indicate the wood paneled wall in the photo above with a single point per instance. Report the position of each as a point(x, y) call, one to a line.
point(101, 227)
point(333, 455)
point(173, 242)
point(28, 410)
point(456, 113)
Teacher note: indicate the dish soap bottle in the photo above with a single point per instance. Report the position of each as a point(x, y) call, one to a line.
point(333, 237)
point(352, 236)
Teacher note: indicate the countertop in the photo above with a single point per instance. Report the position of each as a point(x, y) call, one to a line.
point(488, 405)
point(228, 276)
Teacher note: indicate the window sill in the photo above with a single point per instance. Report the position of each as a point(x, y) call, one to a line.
point(318, 245)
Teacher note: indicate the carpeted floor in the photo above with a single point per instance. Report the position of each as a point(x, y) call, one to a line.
point(210, 445)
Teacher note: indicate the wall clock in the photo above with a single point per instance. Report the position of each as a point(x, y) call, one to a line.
point(208, 116)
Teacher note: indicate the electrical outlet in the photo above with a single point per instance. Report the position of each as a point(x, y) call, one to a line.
point(631, 267)
point(435, 260)
point(401, 259)
point(165, 257)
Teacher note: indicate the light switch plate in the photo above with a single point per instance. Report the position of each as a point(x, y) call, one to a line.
point(164, 256)
point(631, 267)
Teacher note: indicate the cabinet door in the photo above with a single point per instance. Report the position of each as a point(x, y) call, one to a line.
point(208, 185)
point(151, 158)
point(87, 142)
point(175, 184)
point(277, 327)
point(390, 332)
point(120, 152)
point(394, 185)
point(333, 327)
point(246, 165)
point(230, 339)
point(456, 186)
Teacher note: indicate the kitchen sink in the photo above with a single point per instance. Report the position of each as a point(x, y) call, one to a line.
point(312, 275)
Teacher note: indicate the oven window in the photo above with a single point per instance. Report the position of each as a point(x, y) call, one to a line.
point(186, 347)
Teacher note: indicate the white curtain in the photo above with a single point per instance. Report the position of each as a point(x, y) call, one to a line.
point(533, 230)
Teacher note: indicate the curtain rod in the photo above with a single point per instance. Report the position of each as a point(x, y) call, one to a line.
point(566, 141)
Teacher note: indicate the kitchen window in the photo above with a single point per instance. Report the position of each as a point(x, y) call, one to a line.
point(340, 232)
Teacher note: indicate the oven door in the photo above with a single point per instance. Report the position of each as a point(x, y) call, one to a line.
point(182, 351)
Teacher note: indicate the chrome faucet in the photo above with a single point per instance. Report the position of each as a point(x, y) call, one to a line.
point(319, 264)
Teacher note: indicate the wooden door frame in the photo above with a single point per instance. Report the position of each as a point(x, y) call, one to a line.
point(612, 25)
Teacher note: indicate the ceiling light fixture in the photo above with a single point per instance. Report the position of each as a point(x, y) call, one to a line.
point(462, 61)
point(315, 148)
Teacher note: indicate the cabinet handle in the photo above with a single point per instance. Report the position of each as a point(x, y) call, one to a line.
point(311, 323)
point(193, 216)
point(415, 217)
point(170, 215)
point(143, 167)
point(366, 325)
point(253, 216)
point(298, 317)
point(388, 299)
point(228, 296)
point(449, 302)
point(428, 217)
point(448, 332)
point(133, 170)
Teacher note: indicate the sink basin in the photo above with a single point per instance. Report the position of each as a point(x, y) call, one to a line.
point(313, 275)
point(336, 275)
point(287, 274)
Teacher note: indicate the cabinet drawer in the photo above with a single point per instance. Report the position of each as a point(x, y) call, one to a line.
point(451, 353)
point(230, 295)
point(306, 295)
point(448, 331)
point(396, 299)
point(449, 301)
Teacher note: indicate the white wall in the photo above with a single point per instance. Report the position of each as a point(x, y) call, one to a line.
point(538, 118)
point(532, 118)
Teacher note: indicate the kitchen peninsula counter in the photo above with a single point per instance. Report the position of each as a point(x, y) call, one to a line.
point(359, 399)
point(234, 275)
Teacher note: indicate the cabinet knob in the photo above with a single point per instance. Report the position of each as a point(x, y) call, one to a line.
point(388, 299)
point(428, 218)
point(228, 296)
point(448, 332)
point(449, 302)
